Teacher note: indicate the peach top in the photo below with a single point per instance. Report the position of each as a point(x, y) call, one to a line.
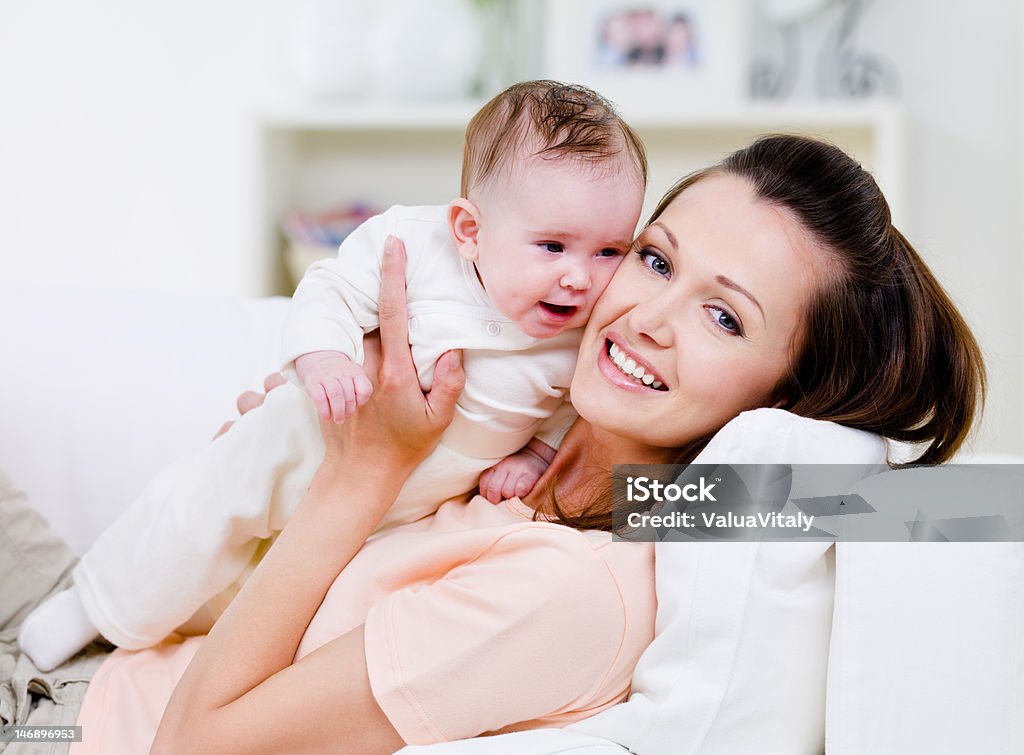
point(477, 620)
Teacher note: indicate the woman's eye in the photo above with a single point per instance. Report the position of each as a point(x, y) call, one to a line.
point(724, 320)
point(552, 246)
point(655, 262)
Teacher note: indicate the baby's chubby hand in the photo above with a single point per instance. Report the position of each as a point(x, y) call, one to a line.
point(516, 475)
point(336, 384)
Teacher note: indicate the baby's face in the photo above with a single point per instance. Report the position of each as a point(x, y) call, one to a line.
point(551, 236)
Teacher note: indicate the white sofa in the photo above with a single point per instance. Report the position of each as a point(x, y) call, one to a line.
point(766, 649)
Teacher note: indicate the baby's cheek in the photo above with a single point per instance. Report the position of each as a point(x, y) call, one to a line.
point(586, 312)
point(600, 281)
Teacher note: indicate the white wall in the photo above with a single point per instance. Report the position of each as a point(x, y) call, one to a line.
point(125, 152)
point(958, 67)
point(124, 142)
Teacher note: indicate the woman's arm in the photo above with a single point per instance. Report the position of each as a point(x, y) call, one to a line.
point(242, 693)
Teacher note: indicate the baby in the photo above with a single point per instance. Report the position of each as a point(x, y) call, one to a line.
point(552, 187)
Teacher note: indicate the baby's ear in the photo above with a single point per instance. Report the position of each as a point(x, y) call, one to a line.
point(464, 226)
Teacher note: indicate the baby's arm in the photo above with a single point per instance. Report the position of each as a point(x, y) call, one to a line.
point(336, 383)
point(516, 475)
point(334, 305)
point(336, 302)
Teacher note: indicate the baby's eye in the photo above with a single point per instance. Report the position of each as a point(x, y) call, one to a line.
point(724, 320)
point(552, 246)
point(609, 252)
point(655, 262)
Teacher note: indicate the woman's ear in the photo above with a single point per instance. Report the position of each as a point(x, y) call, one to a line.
point(782, 396)
point(464, 227)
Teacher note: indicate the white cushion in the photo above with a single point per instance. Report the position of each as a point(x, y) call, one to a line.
point(535, 742)
point(740, 658)
point(928, 646)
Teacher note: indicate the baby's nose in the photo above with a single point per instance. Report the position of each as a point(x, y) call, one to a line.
point(577, 277)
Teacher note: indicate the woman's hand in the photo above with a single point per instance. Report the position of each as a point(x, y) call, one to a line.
point(249, 400)
point(400, 424)
point(243, 692)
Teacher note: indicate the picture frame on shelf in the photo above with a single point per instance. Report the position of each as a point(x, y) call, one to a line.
point(672, 56)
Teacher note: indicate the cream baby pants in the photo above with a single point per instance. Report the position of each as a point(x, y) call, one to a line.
point(182, 549)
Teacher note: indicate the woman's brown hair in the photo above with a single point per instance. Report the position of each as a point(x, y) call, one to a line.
point(884, 348)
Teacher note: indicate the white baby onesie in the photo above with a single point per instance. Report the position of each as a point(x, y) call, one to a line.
point(201, 525)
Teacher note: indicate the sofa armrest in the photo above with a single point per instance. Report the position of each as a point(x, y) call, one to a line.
point(103, 389)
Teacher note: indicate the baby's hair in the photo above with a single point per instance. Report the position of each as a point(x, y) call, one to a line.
point(550, 119)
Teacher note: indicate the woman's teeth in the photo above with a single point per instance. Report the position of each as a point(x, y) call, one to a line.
point(630, 367)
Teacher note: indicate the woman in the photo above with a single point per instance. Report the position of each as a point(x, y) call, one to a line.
point(773, 279)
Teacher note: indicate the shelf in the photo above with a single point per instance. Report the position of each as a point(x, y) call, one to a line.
point(330, 117)
point(314, 155)
point(384, 116)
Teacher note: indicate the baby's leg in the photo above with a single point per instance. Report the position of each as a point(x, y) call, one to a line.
point(197, 525)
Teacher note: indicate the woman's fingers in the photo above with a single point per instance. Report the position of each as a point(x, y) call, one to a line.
point(249, 401)
point(272, 381)
point(394, 328)
point(449, 380)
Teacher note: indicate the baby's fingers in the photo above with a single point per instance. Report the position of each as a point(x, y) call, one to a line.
point(511, 485)
point(337, 393)
point(524, 485)
point(490, 484)
point(363, 389)
point(321, 401)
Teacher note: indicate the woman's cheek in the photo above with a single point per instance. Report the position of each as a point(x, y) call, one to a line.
point(628, 286)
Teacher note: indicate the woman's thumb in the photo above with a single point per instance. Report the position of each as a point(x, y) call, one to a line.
point(449, 379)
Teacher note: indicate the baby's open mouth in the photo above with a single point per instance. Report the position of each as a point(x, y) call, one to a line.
point(559, 310)
point(629, 367)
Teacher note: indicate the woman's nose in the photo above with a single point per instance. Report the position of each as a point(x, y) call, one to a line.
point(576, 276)
point(650, 320)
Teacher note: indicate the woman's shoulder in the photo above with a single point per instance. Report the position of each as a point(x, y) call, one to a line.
point(588, 565)
point(580, 565)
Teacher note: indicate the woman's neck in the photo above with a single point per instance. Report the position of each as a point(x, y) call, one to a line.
point(585, 456)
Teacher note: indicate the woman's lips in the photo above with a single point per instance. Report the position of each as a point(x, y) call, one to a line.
point(613, 372)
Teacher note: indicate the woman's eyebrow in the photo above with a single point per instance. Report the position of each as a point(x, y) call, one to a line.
point(729, 283)
point(668, 234)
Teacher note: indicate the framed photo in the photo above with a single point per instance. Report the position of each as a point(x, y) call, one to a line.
point(658, 56)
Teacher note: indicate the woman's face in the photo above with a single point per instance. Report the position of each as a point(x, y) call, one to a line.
point(705, 313)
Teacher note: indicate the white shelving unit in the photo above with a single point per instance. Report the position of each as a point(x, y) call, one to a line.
point(311, 156)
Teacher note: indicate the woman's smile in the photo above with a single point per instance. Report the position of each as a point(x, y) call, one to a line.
point(618, 361)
